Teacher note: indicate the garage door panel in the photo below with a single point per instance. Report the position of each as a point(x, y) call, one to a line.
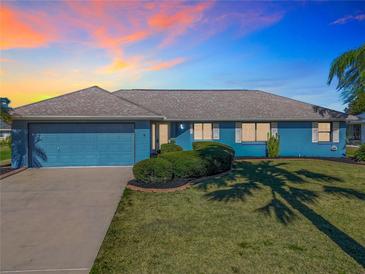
point(81, 144)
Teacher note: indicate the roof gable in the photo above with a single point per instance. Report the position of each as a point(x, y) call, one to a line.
point(89, 102)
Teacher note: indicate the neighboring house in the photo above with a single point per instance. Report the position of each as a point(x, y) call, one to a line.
point(5, 130)
point(93, 127)
point(356, 129)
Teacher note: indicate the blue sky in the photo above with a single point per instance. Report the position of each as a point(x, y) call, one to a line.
point(282, 47)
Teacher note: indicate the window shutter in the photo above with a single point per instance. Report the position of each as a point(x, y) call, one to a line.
point(215, 131)
point(191, 128)
point(274, 129)
point(336, 132)
point(238, 132)
point(314, 132)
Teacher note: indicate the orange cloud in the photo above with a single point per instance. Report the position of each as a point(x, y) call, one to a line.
point(166, 64)
point(185, 17)
point(176, 23)
point(118, 64)
point(114, 26)
point(16, 33)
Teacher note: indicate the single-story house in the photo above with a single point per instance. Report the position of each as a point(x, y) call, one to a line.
point(94, 127)
point(356, 129)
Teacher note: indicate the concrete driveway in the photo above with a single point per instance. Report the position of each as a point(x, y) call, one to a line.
point(54, 220)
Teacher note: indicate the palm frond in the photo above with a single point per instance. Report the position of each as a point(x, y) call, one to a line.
point(349, 69)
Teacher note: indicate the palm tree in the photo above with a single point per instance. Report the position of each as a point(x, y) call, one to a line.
point(349, 69)
point(4, 110)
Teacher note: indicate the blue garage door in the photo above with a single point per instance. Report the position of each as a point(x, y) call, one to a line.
point(93, 144)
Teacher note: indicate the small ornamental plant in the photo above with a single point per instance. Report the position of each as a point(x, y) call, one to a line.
point(360, 153)
point(273, 146)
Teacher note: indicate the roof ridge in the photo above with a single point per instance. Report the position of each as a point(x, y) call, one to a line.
point(133, 103)
point(234, 90)
point(59, 96)
point(295, 100)
point(204, 90)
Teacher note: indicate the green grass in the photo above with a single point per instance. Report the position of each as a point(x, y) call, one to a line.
point(5, 154)
point(293, 216)
point(350, 151)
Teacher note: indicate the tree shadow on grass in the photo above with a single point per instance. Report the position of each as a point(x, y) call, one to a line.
point(253, 176)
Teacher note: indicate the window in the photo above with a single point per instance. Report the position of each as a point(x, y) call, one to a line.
point(198, 131)
point(163, 133)
point(255, 132)
point(203, 131)
point(357, 132)
point(248, 132)
point(324, 132)
point(262, 131)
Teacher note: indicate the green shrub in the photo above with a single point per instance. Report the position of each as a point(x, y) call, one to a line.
point(187, 164)
point(207, 158)
point(360, 153)
point(153, 170)
point(210, 144)
point(220, 156)
point(273, 146)
point(171, 147)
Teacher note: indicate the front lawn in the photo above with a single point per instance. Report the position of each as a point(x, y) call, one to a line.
point(5, 154)
point(293, 216)
point(350, 151)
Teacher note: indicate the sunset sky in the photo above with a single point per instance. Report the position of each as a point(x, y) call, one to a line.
point(52, 47)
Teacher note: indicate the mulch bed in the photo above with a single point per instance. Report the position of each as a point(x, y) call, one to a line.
point(8, 171)
point(5, 169)
point(173, 186)
point(166, 187)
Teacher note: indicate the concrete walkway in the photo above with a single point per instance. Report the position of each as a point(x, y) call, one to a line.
point(54, 220)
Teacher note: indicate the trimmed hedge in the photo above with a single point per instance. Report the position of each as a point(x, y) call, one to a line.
point(171, 147)
point(209, 144)
point(219, 156)
point(153, 170)
point(187, 164)
point(206, 158)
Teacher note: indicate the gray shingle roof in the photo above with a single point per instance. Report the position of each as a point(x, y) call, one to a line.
point(89, 102)
point(218, 105)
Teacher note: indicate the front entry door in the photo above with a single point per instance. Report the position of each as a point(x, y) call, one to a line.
point(160, 134)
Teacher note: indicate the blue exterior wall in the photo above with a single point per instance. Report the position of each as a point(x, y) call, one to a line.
point(185, 139)
point(142, 140)
point(20, 146)
point(295, 140)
